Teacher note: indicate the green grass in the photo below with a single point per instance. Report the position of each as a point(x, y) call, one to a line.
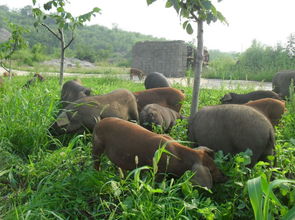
point(42, 177)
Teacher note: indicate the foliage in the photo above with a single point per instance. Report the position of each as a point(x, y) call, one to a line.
point(221, 68)
point(263, 200)
point(102, 45)
point(14, 43)
point(198, 12)
point(259, 62)
point(290, 48)
point(193, 11)
point(42, 177)
point(64, 21)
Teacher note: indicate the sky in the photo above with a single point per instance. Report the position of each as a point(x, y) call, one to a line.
point(268, 21)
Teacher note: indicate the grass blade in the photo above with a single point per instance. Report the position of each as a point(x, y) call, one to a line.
point(255, 193)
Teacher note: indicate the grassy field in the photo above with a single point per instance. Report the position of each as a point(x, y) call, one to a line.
point(42, 177)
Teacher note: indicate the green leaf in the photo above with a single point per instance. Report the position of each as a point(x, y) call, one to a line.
point(274, 184)
point(220, 17)
point(256, 196)
point(206, 4)
point(168, 4)
point(184, 13)
point(210, 18)
point(4, 172)
point(47, 6)
point(175, 5)
point(152, 190)
point(60, 9)
point(68, 15)
point(37, 11)
point(96, 10)
point(189, 29)
point(36, 24)
point(150, 1)
point(184, 24)
point(66, 26)
point(260, 192)
point(290, 215)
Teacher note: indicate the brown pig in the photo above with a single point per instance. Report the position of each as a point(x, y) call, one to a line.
point(136, 72)
point(129, 145)
point(165, 96)
point(273, 109)
point(36, 77)
point(7, 74)
point(73, 90)
point(158, 115)
point(83, 114)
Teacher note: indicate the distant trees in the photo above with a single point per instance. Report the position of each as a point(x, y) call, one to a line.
point(64, 21)
point(14, 43)
point(291, 45)
point(258, 62)
point(102, 45)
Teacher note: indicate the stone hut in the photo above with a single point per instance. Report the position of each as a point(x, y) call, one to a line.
point(172, 58)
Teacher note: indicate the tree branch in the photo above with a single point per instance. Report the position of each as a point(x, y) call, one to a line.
point(12, 51)
point(50, 30)
point(2, 65)
point(194, 16)
point(70, 41)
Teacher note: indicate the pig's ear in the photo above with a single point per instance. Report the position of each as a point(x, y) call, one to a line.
point(202, 176)
point(209, 151)
point(87, 92)
point(226, 98)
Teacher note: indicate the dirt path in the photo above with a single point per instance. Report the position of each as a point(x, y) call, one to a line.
point(205, 83)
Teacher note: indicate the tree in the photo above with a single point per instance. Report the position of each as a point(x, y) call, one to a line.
point(26, 11)
point(14, 43)
point(291, 45)
point(64, 21)
point(198, 11)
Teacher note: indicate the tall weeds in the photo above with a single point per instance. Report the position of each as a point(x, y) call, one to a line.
point(42, 177)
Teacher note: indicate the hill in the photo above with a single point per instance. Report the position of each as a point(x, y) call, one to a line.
point(93, 43)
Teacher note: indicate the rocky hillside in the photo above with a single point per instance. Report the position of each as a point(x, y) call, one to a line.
point(4, 35)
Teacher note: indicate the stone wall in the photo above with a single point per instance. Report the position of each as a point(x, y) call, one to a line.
point(167, 57)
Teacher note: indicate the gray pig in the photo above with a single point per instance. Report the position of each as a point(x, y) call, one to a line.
point(234, 98)
point(83, 114)
point(282, 81)
point(156, 80)
point(232, 129)
point(73, 90)
point(159, 115)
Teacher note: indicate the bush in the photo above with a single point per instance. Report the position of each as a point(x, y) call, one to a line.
point(258, 62)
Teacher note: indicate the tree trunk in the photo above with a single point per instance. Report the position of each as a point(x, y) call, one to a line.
point(62, 56)
point(198, 70)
